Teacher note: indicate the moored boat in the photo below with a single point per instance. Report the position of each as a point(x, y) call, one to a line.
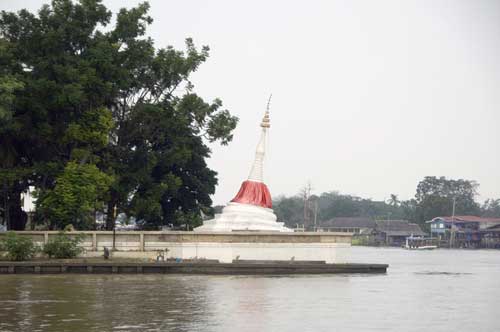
point(419, 243)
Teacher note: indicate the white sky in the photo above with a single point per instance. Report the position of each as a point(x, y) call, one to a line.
point(368, 96)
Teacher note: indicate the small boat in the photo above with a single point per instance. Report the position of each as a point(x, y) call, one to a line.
point(419, 243)
point(425, 247)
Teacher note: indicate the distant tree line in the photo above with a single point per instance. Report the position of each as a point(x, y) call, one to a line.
point(98, 120)
point(434, 197)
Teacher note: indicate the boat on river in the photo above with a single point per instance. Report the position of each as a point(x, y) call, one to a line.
point(419, 243)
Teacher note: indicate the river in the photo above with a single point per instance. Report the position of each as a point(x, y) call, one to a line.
point(440, 290)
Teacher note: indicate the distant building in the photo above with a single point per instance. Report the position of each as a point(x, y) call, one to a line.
point(356, 225)
point(395, 232)
point(440, 225)
point(491, 237)
point(369, 231)
point(466, 231)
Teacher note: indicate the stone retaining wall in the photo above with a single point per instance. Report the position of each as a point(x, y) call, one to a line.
point(155, 240)
point(223, 246)
point(234, 268)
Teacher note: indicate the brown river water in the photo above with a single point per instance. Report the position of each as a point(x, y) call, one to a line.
point(440, 290)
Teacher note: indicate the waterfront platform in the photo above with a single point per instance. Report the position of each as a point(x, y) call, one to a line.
point(210, 267)
point(331, 247)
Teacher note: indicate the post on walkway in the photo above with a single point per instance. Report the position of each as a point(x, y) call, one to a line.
point(114, 239)
point(141, 242)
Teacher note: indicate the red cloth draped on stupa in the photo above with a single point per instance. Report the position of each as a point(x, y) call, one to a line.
point(255, 193)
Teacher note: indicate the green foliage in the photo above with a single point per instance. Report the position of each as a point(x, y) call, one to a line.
point(8, 85)
point(18, 248)
point(434, 197)
point(58, 80)
point(331, 205)
point(91, 129)
point(76, 191)
point(63, 246)
point(491, 208)
point(158, 151)
point(393, 200)
point(289, 210)
point(81, 99)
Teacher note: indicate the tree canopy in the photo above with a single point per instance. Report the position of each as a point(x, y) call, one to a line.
point(434, 197)
point(98, 119)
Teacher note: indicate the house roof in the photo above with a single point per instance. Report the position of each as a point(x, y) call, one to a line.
point(459, 219)
point(405, 233)
point(349, 222)
point(497, 226)
point(398, 228)
point(491, 229)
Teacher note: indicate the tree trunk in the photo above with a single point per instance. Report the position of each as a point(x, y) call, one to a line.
point(16, 216)
point(6, 215)
point(110, 214)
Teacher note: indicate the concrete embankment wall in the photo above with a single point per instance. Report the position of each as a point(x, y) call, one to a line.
point(200, 267)
point(223, 246)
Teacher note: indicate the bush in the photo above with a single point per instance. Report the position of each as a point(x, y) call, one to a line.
point(18, 248)
point(63, 246)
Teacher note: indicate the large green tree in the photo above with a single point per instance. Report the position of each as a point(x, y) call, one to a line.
point(12, 174)
point(80, 104)
point(59, 116)
point(434, 197)
point(158, 147)
point(491, 208)
point(164, 169)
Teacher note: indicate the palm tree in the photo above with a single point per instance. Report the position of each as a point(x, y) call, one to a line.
point(393, 200)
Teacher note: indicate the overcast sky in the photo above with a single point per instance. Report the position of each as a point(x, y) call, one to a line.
point(368, 96)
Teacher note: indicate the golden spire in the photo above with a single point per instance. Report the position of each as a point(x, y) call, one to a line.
point(266, 122)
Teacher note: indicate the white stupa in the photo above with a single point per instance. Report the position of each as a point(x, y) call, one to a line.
point(251, 209)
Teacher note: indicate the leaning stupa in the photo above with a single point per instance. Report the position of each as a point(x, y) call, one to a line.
point(251, 208)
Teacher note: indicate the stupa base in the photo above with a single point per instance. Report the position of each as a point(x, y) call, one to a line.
point(261, 251)
point(243, 217)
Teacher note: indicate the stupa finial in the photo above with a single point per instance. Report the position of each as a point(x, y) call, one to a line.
point(266, 122)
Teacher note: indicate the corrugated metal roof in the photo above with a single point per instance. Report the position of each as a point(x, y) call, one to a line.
point(466, 219)
point(398, 228)
point(405, 233)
